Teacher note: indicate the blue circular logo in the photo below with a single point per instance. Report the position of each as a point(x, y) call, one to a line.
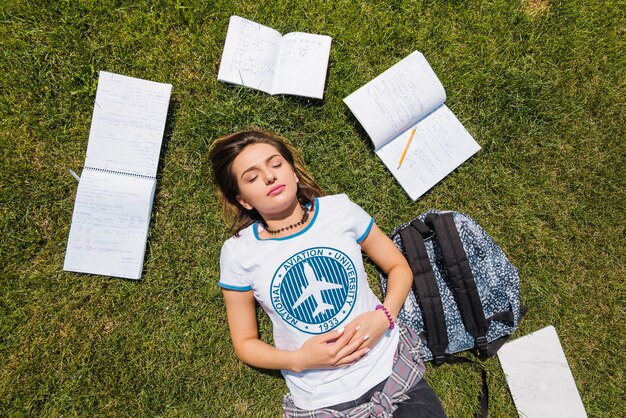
point(315, 289)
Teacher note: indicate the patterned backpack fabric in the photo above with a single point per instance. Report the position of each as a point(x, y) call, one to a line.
point(466, 293)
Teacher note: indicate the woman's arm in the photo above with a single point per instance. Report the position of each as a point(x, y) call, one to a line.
point(381, 250)
point(333, 349)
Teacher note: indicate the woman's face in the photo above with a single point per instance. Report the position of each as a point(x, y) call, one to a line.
point(266, 181)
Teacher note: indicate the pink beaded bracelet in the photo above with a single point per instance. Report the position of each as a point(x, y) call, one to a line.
point(392, 324)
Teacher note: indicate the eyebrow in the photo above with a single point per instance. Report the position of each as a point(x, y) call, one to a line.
point(254, 167)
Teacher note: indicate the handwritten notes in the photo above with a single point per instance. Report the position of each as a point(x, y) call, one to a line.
point(110, 224)
point(258, 57)
point(440, 144)
point(406, 95)
point(114, 198)
point(127, 124)
point(302, 64)
point(397, 98)
point(251, 55)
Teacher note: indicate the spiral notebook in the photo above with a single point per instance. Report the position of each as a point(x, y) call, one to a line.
point(116, 188)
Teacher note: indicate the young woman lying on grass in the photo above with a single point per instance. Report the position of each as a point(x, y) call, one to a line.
point(298, 254)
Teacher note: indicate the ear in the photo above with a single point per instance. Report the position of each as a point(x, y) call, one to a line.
point(296, 177)
point(243, 202)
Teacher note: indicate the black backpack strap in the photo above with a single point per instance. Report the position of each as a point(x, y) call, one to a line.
point(425, 287)
point(461, 277)
point(494, 346)
point(427, 293)
point(483, 399)
point(506, 316)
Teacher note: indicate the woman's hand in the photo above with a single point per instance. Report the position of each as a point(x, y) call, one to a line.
point(333, 349)
point(370, 326)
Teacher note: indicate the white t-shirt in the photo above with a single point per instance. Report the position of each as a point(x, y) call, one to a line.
point(310, 283)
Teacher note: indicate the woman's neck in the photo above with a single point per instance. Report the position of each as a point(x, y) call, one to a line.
point(289, 222)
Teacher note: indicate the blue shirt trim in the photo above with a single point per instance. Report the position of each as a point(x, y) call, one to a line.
point(367, 231)
point(256, 224)
point(231, 287)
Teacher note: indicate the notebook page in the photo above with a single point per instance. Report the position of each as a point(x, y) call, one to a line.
point(302, 65)
point(396, 99)
point(128, 123)
point(440, 144)
point(110, 224)
point(249, 56)
point(539, 377)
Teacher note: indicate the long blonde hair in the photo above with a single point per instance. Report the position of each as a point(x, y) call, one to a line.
point(222, 154)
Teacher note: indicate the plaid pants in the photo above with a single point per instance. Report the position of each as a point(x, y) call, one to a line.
point(408, 369)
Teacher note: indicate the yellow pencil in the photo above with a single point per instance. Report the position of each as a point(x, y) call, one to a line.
point(406, 147)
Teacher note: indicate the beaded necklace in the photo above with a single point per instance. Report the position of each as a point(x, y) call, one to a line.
point(305, 217)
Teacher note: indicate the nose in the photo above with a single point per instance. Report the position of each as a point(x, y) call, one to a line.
point(270, 177)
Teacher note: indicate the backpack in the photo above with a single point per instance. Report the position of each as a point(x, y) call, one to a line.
point(465, 293)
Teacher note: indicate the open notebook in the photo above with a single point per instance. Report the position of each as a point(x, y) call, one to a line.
point(409, 97)
point(116, 189)
point(259, 57)
point(539, 377)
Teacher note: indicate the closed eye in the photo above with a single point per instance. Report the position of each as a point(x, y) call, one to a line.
point(250, 176)
point(276, 161)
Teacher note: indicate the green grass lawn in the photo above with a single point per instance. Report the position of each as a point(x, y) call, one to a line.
point(540, 85)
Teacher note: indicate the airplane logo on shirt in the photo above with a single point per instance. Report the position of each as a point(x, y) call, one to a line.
point(314, 288)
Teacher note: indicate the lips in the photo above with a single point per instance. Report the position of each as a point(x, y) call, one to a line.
point(276, 190)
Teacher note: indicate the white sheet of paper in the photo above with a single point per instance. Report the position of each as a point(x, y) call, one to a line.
point(259, 57)
point(302, 65)
point(250, 52)
point(110, 224)
point(539, 377)
point(397, 98)
point(440, 144)
point(128, 123)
